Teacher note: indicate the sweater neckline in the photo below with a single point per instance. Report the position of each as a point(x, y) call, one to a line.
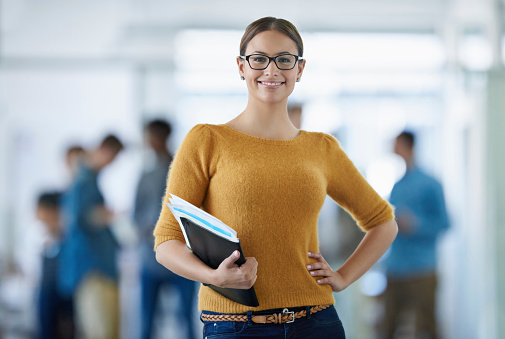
point(265, 141)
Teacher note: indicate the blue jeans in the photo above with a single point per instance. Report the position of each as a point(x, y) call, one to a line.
point(54, 311)
point(320, 325)
point(152, 282)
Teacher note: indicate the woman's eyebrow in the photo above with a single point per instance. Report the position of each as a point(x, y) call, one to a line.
point(280, 53)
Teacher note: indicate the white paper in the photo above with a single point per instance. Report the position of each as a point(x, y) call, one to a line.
point(180, 208)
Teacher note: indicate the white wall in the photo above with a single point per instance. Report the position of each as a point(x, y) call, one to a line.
point(45, 110)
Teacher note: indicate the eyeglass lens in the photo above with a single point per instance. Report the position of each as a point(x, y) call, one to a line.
point(284, 61)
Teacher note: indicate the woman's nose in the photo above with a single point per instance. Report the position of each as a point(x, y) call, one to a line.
point(271, 69)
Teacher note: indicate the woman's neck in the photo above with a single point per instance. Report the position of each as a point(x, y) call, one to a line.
point(265, 121)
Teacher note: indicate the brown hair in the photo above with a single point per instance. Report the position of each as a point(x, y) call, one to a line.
point(271, 24)
point(75, 149)
point(50, 200)
point(408, 138)
point(159, 128)
point(112, 142)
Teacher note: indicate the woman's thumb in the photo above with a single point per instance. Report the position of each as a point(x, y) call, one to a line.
point(230, 261)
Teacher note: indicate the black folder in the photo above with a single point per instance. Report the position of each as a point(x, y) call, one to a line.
point(212, 250)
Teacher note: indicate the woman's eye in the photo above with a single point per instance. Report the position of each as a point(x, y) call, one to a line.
point(285, 59)
point(259, 59)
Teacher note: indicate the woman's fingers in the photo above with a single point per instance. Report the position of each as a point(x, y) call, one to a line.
point(233, 276)
point(315, 255)
point(317, 266)
point(250, 269)
point(324, 281)
point(321, 264)
point(318, 256)
point(230, 261)
point(321, 273)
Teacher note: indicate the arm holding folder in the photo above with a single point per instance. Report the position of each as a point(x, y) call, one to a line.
point(217, 250)
point(189, 177)
point(178, 258)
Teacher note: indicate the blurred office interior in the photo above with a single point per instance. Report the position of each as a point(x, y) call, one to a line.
point(72, 71)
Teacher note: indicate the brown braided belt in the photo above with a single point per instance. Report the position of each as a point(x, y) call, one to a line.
point(276, 318)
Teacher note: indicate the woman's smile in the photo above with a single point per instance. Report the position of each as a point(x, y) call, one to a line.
point(271, 84)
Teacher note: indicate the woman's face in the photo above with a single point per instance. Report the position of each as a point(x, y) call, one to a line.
point(271, 84)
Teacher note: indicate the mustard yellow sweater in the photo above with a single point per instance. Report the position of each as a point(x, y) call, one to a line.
point(270, 192)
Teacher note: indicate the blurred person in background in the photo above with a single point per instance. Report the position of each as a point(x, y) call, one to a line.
point(411, 264)
point(268, 180)
point(54, 311)
point(89, 269)
point(73, 158)
point(148, 199)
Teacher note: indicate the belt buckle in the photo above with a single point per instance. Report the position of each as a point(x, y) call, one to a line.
point(286, 311)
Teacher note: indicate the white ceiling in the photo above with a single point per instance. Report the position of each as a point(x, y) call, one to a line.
point(140, 29)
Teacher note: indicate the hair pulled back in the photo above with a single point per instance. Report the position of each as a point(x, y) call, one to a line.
point(271, 24)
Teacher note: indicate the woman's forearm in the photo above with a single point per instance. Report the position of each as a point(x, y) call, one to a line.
point(178, 258)
point(174, 255)
point(373, 246)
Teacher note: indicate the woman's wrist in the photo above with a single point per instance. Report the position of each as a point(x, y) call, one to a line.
point(210, 277)
point(344, 280)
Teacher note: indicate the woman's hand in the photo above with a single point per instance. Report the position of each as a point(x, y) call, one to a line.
point(326, 276)
point(230, 275)
point(177, 257)
point(371, 248)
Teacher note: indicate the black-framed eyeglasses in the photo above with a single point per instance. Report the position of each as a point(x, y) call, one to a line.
point(260, 62)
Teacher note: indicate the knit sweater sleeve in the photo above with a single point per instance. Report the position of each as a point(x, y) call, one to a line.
point(350, 189)
point(188, 179)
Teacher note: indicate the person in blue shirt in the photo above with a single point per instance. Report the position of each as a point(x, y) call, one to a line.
point(88, 268)
point(150, 191)
point(54, 311)
point(411, 264)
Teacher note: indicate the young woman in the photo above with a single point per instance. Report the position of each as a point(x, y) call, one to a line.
point(268, 180)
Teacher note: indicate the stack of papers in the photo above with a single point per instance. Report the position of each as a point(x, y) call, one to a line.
point(181, 209)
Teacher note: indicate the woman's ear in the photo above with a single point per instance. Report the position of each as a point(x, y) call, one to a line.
point(240, 64)
point(301, 67)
